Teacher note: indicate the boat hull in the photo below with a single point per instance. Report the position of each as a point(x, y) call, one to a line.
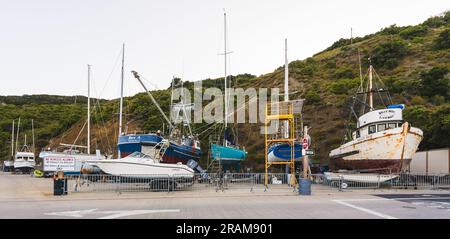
point(227, 155)
point(282, 152)
point(138, 168)
point(24, 165)
point(390, 151)
point(177, 153)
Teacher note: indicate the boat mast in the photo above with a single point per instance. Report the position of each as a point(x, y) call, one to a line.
point(89, 112)
point(121, 96)
point(32, 133)
point(17, 137)
point(286, 86)
point(12, 141)
point(225, 78)
point(370, 87)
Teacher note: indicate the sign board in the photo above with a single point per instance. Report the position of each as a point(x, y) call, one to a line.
point(305, 143)
point(59, 163)
point(309, 152)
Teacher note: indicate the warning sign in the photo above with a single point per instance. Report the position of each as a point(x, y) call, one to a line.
point(59, 164)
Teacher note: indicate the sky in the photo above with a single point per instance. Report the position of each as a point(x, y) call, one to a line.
point(45, 45)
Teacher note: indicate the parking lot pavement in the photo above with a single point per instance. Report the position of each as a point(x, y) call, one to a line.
point(22, 196)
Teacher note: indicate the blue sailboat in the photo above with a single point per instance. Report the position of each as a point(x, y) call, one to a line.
point(227, 154)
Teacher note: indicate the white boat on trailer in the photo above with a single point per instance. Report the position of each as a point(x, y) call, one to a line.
point(140, 165)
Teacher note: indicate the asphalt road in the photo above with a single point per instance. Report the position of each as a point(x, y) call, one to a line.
point(22, 196)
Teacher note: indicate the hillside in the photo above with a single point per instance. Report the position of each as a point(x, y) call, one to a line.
point(412, 61)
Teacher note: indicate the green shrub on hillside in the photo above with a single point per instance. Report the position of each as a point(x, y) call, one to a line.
point(342, 73)
point(391, 30)
point(388, 55)
point(434, 22)
point(434, 82)
point(344, 86)
point(402, 86)
point(312, 97)
point(413, 31)
point(442, 41)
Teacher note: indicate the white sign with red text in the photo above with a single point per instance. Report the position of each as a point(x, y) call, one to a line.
point(59, 164)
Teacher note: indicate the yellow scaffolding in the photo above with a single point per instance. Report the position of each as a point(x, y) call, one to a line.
point(280, 112)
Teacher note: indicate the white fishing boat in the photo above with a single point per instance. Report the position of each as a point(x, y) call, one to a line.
point(24, 160)
point(382, 141)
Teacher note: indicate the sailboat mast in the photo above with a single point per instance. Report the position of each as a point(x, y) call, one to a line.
point(89, 112)
point(32, 133)
point(12, 140)
point(286, 73)
point(121, 98)
point(370, 88)
point(286, 85)
point(225, 78)
point(17, 137)
point(121, 91)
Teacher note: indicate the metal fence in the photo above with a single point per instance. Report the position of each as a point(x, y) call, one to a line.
point(383, 181)
point(218, 182)
point(250, 182)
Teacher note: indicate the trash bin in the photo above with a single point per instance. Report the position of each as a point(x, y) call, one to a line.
point(60, 187)
point(59, 184)
point(304, 187)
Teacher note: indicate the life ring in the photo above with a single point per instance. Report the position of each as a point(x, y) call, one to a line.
point(38, 173)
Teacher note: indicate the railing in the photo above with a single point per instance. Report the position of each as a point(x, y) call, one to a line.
point(136, 183)
point(247, 182)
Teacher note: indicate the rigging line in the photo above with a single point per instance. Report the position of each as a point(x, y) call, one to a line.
point(98, 106)
point(384, 85)
point(98, 109)
point(79, 133)
point(112, 71)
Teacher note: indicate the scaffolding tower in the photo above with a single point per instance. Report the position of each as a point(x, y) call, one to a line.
point(281, 113)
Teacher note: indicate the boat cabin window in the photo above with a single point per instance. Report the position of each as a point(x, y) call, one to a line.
point(358, 134)
point(372, 129)
point(381, 127)
point(392, 125)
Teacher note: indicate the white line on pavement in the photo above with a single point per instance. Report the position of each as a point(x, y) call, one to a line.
point(114, 214)
point(365, 210)
point(117, 214)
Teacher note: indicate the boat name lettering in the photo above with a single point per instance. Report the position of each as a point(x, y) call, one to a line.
point(386, 114)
